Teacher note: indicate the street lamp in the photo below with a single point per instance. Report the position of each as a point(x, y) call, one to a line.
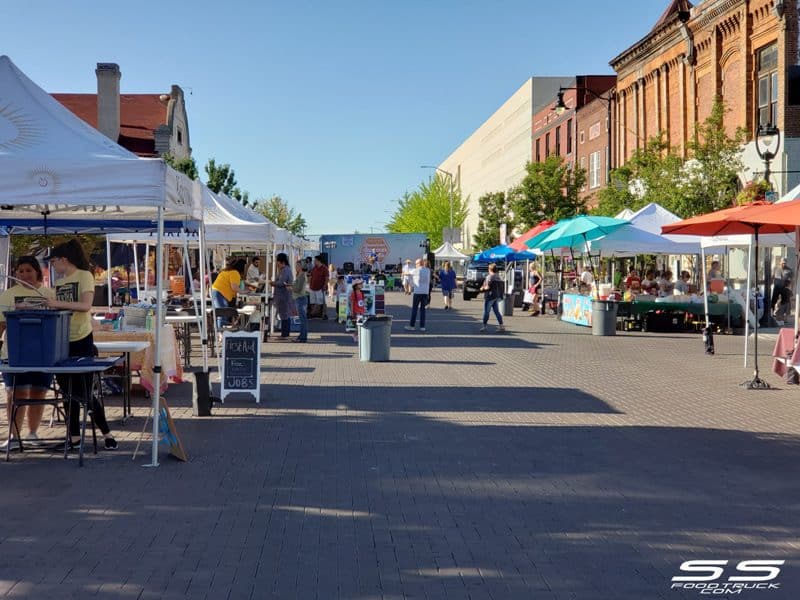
point(559, 108)
point(450, 176)
point(768, 140)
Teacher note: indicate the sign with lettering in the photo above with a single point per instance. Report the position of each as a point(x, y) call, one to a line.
point(241, 363)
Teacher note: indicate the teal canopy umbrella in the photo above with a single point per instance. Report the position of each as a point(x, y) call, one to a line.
point(577, 231)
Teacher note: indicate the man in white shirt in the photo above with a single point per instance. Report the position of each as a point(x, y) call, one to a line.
point(421, 282)
point(253, 271)
point(587, 278)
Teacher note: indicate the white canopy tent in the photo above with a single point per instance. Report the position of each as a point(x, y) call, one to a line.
point(57, 174)
point(448, 252)
point(631, 240)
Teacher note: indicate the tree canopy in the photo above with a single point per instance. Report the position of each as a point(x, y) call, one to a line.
point(550, 190)
point(493, 213)
point(222, 178)
point(187, 165)
point(705, 181)
point(427, 210)
point(281, 214)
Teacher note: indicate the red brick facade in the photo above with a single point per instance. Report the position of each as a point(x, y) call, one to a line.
point(669, 80)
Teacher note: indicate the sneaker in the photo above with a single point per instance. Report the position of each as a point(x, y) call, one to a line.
point(13, 443)
point(409, 328)
point(422, 329)
point(501, 328)
point(32, 439)
point(111, 443)
point(482, 329)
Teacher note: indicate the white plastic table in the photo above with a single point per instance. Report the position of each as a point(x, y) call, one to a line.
point(126, 348)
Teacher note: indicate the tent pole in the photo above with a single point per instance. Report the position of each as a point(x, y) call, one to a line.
point(146, 266)
point(705, 284)
point(159, 317)
point(108, 272)
point(202, 311)
point(136, 270)
point(747, 300)
point(756, 383)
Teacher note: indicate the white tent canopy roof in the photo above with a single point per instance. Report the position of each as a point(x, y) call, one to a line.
point(54, 165)
point(222, 228)
point(630, 241)
point(447, 252)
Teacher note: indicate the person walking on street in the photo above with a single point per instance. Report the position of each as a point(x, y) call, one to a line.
point(447, 279)
point(781, 292)
point(421, 281)
point(317, 284)
point(408, 277)
point(282, 298)
point(494, 288)
point(301, 300)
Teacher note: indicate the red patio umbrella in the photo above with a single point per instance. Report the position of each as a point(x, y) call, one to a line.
point(750, 219)
point(519, 243)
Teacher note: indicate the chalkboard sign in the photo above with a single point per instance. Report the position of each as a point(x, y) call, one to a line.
point(241, 362)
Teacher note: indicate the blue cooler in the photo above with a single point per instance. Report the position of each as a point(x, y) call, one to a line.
point(37, 338)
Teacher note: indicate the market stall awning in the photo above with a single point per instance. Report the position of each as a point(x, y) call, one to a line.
point(447, 252)
point(519, 243)
point(54, 167)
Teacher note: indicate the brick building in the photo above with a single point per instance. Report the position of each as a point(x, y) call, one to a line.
point(579, 131)
point(148, 125)
point(743, 51)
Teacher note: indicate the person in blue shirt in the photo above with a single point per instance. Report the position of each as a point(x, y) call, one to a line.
point(447, 279)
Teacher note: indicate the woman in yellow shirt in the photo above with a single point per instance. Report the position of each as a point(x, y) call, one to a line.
point(75, 291)
point(226, 286)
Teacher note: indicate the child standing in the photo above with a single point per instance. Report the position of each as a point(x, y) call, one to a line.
point(357, 305)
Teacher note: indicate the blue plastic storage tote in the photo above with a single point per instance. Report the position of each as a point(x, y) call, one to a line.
point(37, 338)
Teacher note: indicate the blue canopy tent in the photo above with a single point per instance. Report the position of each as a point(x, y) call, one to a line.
point(504, 253)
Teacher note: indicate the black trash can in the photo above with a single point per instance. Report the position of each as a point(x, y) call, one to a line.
point(508, 305)
point(374, 338)
point(201, 402)
point(604, 317)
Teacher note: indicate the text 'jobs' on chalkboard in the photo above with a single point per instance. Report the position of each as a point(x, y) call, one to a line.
point(241, 354)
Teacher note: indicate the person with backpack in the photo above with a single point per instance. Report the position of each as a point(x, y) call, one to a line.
point(494, 291)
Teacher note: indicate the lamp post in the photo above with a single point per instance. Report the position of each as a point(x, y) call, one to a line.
point(450, 177)
point(768, 141)
point(560, 107)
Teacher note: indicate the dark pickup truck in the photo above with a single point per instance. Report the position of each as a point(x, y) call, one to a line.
point(476, 272)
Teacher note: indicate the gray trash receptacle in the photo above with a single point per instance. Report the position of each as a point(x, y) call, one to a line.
point(604, 317)
point(508, 305)
point(374, 338)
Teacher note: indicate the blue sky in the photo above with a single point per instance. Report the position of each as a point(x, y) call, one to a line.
point(331, 105)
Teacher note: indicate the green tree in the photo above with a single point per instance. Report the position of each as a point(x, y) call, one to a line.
point(494, 212)
point(281, 214)
point(427, 210)
point(707, 181)
point(187, 165)
point(222, 178)
point(714, 167)
point(654, 173)
point(550, 190)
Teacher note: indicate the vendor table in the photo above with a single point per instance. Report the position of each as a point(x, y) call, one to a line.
point(186, 338)
point(785, 353)
point(126, 348)
point(695, 308)
point(71, 366)
point(144, 361)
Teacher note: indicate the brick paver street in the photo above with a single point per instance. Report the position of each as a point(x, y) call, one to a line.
point(543, 463)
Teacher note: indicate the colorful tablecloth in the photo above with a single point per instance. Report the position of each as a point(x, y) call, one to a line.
point(783, 346)
point(143, 362)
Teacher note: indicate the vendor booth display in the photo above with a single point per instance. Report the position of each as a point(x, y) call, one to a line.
point(59, 175)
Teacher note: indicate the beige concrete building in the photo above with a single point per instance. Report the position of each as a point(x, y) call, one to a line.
point(493, 158)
